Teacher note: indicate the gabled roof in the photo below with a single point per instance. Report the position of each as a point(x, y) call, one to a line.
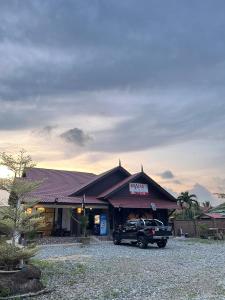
point(121, 184)
point(117, 186)
point(99, 177)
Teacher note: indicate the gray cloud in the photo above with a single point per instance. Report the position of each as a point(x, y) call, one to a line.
point(167, 174)
point(53, 48)
point(172, 192)
point(45, 131)
point(176, 181)
point(220, 184)
point(76, 136)
point(203, 194)
point(159, 65)
point(162, 124)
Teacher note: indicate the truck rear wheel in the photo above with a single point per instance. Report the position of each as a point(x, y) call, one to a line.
point(162, 244)
point(116, 240)
point(142, 243)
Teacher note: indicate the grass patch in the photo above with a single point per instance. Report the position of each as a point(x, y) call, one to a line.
point(112, 294)
point(220, 290)
point(192, 295)
point(4, 292)
point(71, 274)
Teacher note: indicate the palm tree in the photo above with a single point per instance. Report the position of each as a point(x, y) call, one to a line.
point(189, 199)
point(207, 204)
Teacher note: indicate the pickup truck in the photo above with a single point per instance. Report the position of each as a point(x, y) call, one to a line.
point(142, 232)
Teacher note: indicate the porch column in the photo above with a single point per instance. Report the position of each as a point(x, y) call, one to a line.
point(59, 218)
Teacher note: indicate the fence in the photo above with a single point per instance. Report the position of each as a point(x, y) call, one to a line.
point(192, 227)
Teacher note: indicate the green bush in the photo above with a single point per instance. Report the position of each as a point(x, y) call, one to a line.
point(4, 292)
point(203, 230)
point(11, 255)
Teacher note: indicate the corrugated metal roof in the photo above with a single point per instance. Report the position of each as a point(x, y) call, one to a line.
point(48, 199)
point(58, 182)
point(58, 185)
point(142, 203)
point(216, 215)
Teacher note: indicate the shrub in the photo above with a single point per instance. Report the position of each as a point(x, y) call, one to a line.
point(4, 292)
point(203, 230)
point(11, 256)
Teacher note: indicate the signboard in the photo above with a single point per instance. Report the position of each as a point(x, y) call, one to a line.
point(103, 224)
point(138, 188)
point(153, 206)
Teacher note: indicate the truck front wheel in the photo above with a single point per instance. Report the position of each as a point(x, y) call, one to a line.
point(162, 244)
point(116, 240)
point(142, 243)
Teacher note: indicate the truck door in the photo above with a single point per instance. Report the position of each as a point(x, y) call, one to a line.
point(130, 230)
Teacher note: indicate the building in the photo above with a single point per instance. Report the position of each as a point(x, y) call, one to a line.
point(109, 199)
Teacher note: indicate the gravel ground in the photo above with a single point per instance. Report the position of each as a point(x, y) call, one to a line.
point(183, 270)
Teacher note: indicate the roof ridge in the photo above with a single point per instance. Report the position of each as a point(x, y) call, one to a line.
point(48, 169)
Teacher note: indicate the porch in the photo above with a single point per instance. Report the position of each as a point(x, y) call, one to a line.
point(64, 221)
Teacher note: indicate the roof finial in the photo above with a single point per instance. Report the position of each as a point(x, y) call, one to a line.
point(119, 162)
point(142, 169)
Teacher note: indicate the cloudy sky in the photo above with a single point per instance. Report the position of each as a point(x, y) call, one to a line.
point(84, 83)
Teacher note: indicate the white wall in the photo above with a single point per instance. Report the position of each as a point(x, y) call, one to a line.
point(4, 196)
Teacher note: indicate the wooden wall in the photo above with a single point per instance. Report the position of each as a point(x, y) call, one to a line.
point(191, 227)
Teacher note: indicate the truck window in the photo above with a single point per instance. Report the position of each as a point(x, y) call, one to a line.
point(150, 223)
point(131, 223)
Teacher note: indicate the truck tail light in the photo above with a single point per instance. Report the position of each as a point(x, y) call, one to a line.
point(151, 231)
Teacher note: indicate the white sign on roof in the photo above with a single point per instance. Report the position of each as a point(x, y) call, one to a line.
point(138, 188)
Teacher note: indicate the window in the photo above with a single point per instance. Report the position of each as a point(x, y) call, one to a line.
point(150, 223)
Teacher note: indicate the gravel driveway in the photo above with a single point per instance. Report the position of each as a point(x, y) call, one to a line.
point(183, 270)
